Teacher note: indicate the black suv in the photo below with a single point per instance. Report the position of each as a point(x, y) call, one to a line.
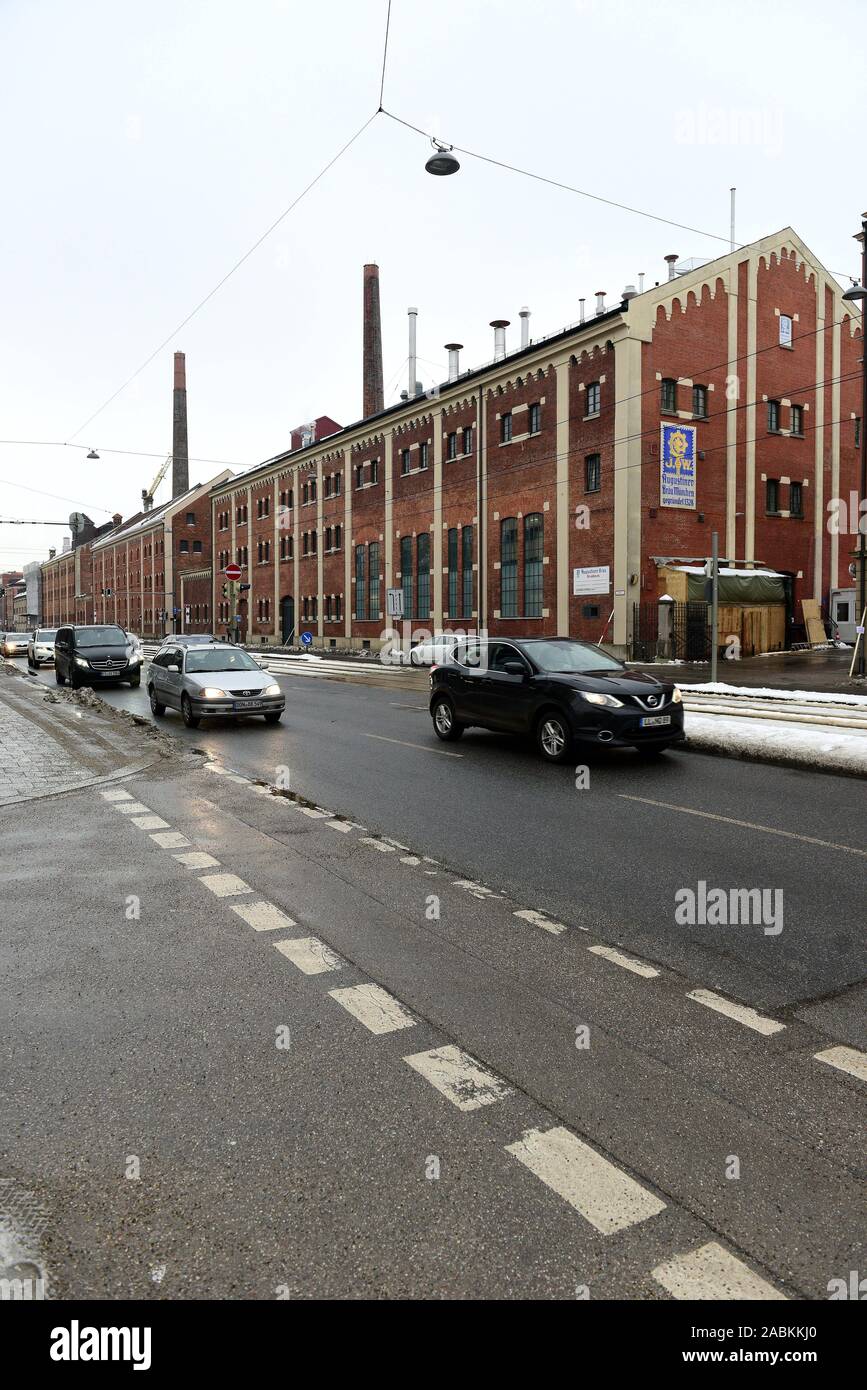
point(561, 691)
point(95, 655)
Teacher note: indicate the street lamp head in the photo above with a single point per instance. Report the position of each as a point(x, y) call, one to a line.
point(442, 161)
point(855, 292)
point(93, 454)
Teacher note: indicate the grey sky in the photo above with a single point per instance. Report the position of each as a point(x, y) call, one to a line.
point(147, 147)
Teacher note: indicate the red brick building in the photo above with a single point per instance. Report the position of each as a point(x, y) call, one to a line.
point(9, 581)
point(67, 578)
point(144, 571)
point(722, 399)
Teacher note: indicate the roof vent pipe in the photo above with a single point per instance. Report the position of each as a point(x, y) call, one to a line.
point(413, 320)
point(524, 316)
point(499, 326)
point(641, 282)
point(600, 301)
point(670, 259)
point(581, 311)
point(454, 352)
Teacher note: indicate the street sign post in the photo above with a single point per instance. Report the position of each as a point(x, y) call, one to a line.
point(394, 603)
point(307, 639)
point(232, 571)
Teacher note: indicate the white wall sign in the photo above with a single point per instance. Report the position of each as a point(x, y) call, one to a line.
point(785, 330)
point(591, 579)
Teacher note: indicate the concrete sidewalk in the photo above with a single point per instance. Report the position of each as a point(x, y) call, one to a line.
point(824, 671)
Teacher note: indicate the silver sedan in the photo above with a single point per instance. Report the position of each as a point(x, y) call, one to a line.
point(217, 680)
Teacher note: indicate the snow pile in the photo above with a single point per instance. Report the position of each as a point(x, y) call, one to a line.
point(802, 745)
point(764, 692)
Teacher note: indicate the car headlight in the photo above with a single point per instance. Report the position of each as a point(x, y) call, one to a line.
point(80, 661)
point(676, 696)
point(272, 690)
point(596, 699)
point(210, 692)
point(133, 659)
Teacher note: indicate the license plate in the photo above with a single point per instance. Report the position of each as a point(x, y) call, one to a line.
point(248, 704)
point(654, 719)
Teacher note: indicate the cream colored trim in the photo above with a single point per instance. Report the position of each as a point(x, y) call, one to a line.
point(437, 559)
point(627, 481)
point(388, 527)
point(275, 552)
point(320, 559)
point(836, 340)
point(562, 498)
point(347, 533)
point(750, 412)
point(819, 441)
point(732, 417)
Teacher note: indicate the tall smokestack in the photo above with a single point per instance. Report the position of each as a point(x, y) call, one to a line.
point(373, 398)
point(180, 446)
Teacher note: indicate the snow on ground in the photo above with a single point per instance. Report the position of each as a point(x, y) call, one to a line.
point(807, 745)
point(758, 692)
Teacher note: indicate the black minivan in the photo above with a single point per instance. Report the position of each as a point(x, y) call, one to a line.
point(95, 655)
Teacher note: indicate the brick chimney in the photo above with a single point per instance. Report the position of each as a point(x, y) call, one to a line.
point(180, 447)
point(373, 400)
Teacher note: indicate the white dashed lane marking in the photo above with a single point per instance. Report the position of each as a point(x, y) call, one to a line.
point(374, 1007)
point(225, 885)
point(618, 958)
point(342, 825)
point(461, 1079)
point(604, 1195)
point(150, 822)
point(115, 794)
point(538, 919)
point(711, 1273)
point(170, 839)
point(739, 1012)
point(197, 859)
point(314, 813)
point(263, 916)
point(847, 1059)
point(310, 955)
point(131, 808)
point(376, 844)
point(422, 747)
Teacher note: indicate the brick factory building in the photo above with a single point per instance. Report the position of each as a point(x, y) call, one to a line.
point(723, 398)
point(67, 576)
point(149, 570)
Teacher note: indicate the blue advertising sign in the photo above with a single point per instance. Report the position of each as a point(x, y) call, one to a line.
point(307, 639)
point(677, 466)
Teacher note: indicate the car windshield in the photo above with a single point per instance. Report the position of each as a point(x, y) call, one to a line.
point(46, 634)
point(570, 658)
point(100, 637)
point(220, 659)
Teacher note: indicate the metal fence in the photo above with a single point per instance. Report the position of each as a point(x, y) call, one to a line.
point(690, 633)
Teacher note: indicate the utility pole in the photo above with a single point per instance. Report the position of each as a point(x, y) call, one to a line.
point(714, 601)
point(859, 293)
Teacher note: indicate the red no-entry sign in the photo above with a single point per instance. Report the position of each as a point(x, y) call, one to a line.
point(232, 571)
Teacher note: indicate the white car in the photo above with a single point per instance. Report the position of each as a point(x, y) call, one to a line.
point(434, 650)
point(40, 648)
point(13, 643)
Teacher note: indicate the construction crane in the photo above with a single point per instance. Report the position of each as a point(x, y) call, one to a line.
point(147, 494)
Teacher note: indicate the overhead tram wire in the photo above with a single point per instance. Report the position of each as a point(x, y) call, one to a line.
point(229, 273)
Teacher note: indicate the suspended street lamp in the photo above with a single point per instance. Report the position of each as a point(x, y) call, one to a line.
point(442, 161)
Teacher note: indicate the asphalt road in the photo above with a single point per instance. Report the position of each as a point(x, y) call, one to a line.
point(610, 856)
point(392, 1067)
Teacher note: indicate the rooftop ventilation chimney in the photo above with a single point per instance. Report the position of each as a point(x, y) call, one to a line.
point(180, 445)
point(52, 552)
point(641, 282)
point(524, 316)
point(671, 259)
point(413, 384)
point(372, 363)
point(600, 301)
point(454, 352)
point(581, 314)
point(499, 326)
point(629, 293)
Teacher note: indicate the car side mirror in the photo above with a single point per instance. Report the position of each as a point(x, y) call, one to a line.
point(263, 666)
point(515, 668)
point(173, 666)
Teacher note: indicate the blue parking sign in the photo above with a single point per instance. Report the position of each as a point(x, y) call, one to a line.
point(307, 639)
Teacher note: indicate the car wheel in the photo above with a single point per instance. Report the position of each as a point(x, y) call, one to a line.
point(273, 716)
point(156, 708)
point(187, 713)
point(135, 682)
point(445, 724)
point(553, 738)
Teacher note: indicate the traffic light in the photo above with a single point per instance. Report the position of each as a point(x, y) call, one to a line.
point(225, 591)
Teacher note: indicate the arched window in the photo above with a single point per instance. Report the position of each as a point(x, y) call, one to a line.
point(533, 546)
point(509, 568)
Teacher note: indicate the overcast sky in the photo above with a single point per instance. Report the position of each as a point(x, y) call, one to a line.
point(147, 146)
